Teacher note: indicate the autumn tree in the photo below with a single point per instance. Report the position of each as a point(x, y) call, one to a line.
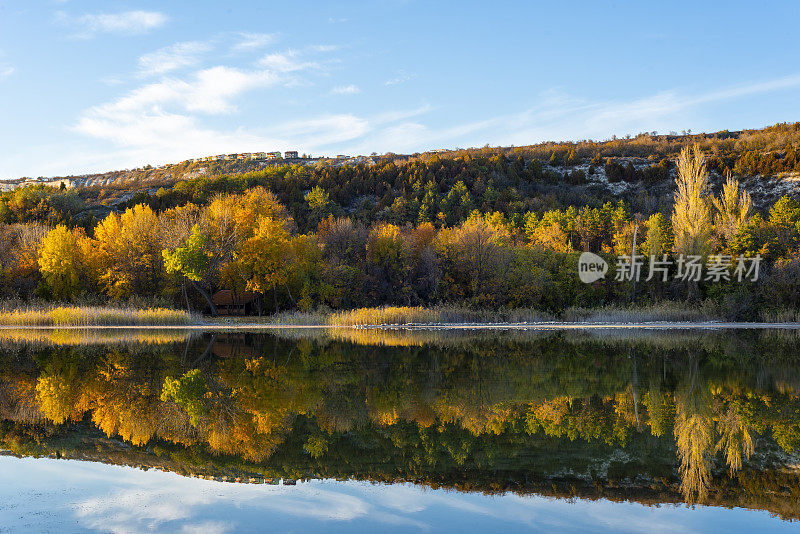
point(127, 253)
point(784, 221)
point(386, 264)
point(266, 258)
point(692, 217)
point(19, 257)
point(475, 248)
point(733, 208)
point(187, 392)
point(549, 232)
point(424, 262)
point(228, 222)
point(694, 435)
point(61, 262)
point(307, 273)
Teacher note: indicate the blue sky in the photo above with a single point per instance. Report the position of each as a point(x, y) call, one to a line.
point(91, 86)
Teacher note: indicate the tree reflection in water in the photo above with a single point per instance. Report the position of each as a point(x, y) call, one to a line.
point(523, 411)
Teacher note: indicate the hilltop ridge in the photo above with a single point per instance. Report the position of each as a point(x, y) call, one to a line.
point(637, 169)
point(766, 153)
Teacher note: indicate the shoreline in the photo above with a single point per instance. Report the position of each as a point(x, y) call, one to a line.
point(550, 325)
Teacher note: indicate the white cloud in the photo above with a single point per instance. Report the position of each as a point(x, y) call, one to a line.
point(557, 116)
point(253, 41)
point(345, 90)
point(127, 22)
point(209, 91)
point(293, 60)
point(160, 121)
point(165, 121)
point(6, 70)
point(402, 77)
point(323, 48)
point(173, 57)
point(767, 86)
point(286, 62)
point(325, 130)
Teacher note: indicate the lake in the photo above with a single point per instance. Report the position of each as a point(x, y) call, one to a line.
point(341, 430)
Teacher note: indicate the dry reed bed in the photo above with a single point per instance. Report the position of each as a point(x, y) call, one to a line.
point(404, 315)
point(96, 316)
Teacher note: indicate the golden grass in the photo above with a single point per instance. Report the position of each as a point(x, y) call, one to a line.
point(95, 336)
point(404, 315)
point(384, 315)
point(96, 316)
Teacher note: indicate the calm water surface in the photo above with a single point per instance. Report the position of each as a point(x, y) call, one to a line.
point(358, 430)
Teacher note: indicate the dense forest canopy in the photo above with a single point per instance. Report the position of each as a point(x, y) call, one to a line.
point(485, 227)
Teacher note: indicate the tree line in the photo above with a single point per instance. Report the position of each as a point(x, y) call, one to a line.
point(249, 241)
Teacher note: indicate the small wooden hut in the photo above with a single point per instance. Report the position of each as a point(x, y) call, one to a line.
point(229, 302)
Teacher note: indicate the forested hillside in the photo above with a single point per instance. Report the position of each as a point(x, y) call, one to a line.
point(486, 227)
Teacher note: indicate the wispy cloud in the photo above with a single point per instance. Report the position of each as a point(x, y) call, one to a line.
point(345, 90)
point(173, 57)
point(557, 116)
point(294, 60)
point(660, 111)
point(286, 62)
point(253, 41)
point(738, 91)
point(210, 91)
point(402, 77)
point(127, 22)
point(6, 70)
point(167, 119)
point(323, 48)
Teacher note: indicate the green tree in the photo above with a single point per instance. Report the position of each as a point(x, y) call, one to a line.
point(187, 392)
point(659, 236)
point(319, 202)
point(191, 260)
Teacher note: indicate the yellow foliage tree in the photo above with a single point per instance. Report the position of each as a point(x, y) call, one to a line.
point(127, 252)
point(692, 215)
point(61, 262)
point(733, 208)
point(266, 257)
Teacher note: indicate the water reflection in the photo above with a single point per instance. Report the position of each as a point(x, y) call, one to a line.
point(68, 496)
point(708, 417)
